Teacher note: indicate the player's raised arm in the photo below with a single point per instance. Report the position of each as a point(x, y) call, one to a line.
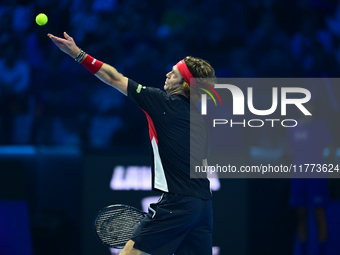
point(104, 72)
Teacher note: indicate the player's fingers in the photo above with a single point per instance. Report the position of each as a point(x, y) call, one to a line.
point(54, 39)
point(67, 36)
point(57, 42)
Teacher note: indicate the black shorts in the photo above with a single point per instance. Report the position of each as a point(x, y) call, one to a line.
point(176, 224)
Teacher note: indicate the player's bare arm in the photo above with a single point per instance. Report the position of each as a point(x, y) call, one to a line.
point(106, 73)
point(112, 77)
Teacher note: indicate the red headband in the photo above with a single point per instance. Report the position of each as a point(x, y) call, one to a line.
point(183, 69)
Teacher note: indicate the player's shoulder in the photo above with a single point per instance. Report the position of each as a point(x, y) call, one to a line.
point(150, 91)
point(139, 88)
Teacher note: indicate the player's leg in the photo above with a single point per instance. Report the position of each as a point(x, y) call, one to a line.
point(166, 225)
point(197, 242)
point(199, 239)
point(129, 250)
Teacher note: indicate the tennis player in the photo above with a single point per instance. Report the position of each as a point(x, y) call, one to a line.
point(181, 221)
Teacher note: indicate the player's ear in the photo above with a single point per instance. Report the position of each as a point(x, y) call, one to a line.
point(186, 86)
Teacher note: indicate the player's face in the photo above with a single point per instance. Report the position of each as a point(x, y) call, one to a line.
point(173, 80)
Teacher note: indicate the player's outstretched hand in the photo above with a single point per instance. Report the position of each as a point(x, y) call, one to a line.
point(67, 45)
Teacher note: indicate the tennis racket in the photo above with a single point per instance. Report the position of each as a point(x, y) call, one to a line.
point(114, 224)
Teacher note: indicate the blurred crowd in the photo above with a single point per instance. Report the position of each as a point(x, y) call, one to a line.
point(48, 99)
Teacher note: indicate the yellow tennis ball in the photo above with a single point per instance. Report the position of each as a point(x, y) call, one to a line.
point(41, 19)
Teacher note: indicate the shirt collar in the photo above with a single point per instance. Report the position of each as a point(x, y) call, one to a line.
point(184, 98)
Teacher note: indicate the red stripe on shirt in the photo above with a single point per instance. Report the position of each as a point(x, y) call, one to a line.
point(152, 130)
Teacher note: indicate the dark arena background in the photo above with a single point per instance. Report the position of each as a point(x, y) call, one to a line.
point(71, 145)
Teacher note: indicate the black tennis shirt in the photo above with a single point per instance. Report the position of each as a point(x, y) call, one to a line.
point(170, 127)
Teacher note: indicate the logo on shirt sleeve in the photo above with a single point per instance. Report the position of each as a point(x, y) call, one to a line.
point(139, 88)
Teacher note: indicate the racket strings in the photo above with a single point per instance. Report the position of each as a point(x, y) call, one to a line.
point(114, 226)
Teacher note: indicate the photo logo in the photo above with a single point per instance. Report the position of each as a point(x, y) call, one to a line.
point(238, 100)
point(205, 96)
point(260, 121)
point(280, 96)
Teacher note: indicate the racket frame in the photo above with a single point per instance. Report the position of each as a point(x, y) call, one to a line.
point(109, 208)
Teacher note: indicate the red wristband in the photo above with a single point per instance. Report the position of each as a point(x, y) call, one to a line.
point(92, 64)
